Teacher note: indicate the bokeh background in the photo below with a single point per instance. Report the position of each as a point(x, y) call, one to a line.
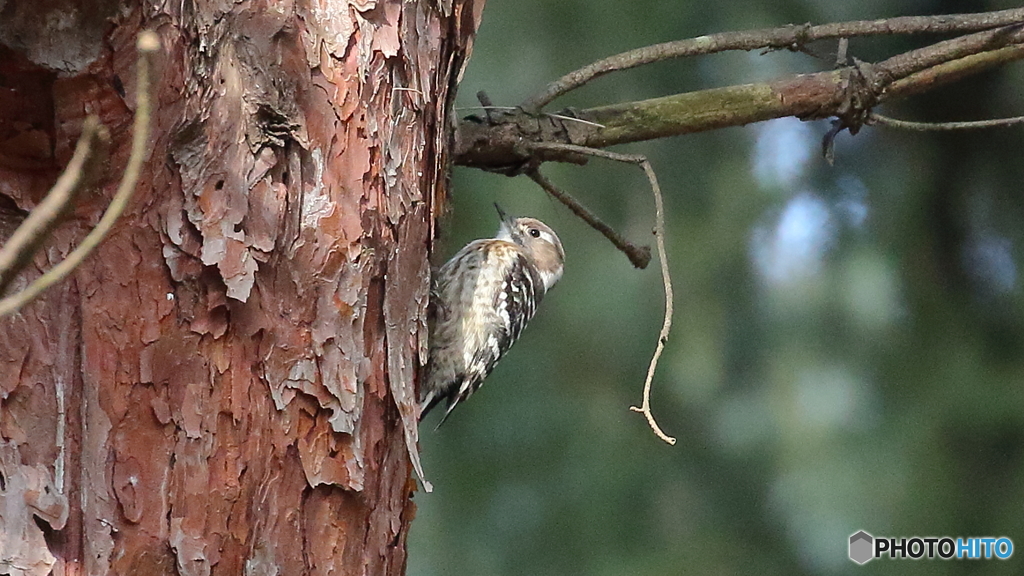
point(848, 350)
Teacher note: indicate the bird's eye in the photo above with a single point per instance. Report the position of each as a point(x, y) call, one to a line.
point(534, 232)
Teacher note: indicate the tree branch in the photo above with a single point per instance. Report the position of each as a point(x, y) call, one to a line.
point(666, 326)
point(952, 71)
point(639, 256)
point(879, 120)
point(848, 93)
point(659, 236)
point(793, 37)
point(148, 43)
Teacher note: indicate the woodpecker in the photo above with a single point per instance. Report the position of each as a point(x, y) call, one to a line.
point(481, 301)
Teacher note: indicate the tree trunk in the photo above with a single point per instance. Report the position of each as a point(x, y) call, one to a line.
point(226, 385)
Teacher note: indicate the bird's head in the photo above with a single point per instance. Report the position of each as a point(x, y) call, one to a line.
point(538, 241)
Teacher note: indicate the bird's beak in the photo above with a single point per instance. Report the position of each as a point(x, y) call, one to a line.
point(504, 217)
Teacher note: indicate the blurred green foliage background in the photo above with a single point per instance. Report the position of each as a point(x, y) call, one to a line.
point(847, 351)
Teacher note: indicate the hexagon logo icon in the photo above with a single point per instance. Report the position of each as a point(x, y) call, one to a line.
point(861, 545)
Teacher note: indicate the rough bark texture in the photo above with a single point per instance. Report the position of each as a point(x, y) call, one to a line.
point(227, 385)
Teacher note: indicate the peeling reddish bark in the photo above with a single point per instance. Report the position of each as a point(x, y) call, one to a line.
point(227, 384)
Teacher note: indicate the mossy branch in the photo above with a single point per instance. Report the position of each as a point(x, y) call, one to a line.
point(848, 93)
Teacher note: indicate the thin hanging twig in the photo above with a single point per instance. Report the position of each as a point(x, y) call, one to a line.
point(147, 44)
point(878, 119)
point(659, 235)
point(666, 327)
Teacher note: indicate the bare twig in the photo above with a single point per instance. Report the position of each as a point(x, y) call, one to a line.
point(879, 120)
point(952, 71)
point(666, 327)
point(659, 236)
point(571, 119)
point(791, 37)
point(574, 149)
point(89, 154)
point(462, 108)
point(639, 256)
point(904, 65)
point(514, 108)
point(147, 44)
point(841, 52)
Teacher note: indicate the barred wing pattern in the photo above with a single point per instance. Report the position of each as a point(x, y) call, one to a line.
point(483, 299)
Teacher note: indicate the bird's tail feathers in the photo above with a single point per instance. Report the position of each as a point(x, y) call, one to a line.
point(447, 413)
